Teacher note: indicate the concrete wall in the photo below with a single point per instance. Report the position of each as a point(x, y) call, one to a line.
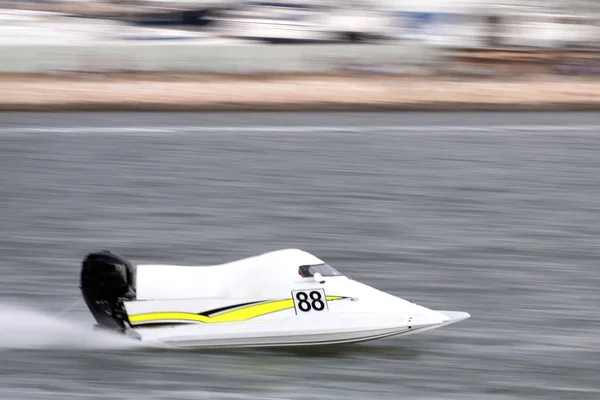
point(207, 58)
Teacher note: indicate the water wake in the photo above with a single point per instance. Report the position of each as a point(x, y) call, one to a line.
point(24, 328)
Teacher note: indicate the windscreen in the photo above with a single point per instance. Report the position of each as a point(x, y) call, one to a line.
point(307, 271)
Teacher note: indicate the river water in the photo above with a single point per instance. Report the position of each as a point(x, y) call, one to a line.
point(494, 214)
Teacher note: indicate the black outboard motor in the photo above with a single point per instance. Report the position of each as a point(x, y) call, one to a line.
point(107, 279)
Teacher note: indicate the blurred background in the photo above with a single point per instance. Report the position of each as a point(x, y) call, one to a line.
point(478, 38)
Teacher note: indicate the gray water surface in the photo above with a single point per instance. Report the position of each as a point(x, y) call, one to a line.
point(494, 214)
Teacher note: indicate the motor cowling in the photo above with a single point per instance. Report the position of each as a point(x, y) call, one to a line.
point(107, 279)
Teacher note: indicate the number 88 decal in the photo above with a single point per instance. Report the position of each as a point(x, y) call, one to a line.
point(306, 301)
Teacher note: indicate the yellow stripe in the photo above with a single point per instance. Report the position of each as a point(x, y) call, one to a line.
point(241, 314)
point(167, 316)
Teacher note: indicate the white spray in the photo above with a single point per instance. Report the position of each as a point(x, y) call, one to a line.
point(24, 328)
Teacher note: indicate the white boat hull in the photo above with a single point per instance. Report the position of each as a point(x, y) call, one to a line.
point(310, 332)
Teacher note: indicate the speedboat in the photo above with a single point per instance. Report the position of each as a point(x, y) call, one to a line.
point(282, 298)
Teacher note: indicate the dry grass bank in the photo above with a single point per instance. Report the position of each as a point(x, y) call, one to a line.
point(163, 92)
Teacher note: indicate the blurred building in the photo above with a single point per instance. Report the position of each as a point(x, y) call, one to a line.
point(442, 23)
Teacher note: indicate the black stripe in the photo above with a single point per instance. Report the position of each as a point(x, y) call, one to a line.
point(160, 324)
point(218, 310)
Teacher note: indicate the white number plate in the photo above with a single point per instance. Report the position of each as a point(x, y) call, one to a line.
point(310, 300)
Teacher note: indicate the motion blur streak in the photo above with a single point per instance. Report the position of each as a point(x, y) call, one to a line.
point(503, 224)
point(415, 129)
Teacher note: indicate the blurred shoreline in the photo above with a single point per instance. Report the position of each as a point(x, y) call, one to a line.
point(231, 56)
point(295, 92)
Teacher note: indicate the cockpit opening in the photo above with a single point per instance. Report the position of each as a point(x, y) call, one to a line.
point(308, 271)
